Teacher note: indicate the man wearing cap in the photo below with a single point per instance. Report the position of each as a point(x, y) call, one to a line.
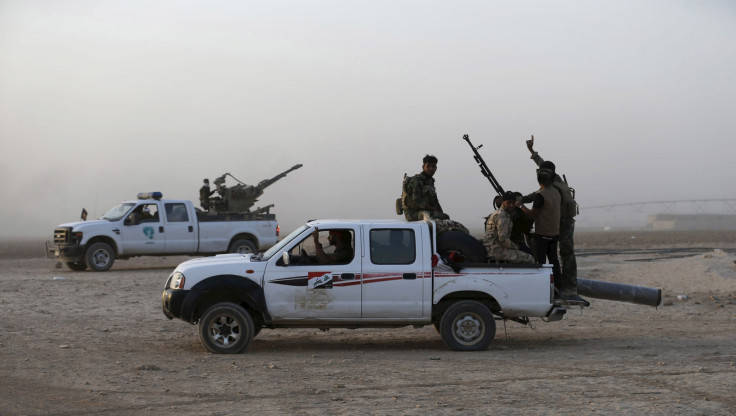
point(546, 214)
point(498, 234)
point(568, 210)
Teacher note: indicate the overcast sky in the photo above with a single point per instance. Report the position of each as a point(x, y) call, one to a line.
point(632, 100)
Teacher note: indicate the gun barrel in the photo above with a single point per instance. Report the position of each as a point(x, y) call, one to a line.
point(483, 167)
point(268, 182)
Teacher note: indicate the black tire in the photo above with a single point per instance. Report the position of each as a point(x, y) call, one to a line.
point(461, 247)
point(242, 246)
point(467, 325)
point(99, 257)
point(77, 266)
point(226, 328)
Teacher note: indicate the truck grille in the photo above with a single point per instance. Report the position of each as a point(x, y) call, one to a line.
point(61, 235)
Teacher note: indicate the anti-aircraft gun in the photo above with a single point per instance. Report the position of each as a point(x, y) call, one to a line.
point(238, 199)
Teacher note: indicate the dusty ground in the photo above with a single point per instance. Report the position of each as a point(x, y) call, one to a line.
point(76, 343)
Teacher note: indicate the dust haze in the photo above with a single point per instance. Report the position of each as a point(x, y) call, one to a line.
point(633, 101)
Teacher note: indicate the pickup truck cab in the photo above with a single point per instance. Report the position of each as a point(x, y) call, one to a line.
point(392, 276)
point(151, 226)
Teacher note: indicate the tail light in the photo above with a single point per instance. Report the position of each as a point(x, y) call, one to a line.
point(278, 230)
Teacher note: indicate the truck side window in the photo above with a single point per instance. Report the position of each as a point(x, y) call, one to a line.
point(176, 212)
point(336, 246)
point(144, 213)
point(393, 246)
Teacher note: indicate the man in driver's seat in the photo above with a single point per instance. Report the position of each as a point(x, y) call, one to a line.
point(342, 241)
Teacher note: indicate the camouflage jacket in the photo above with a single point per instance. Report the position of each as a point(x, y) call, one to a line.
point(421, 194)
point(498, 230)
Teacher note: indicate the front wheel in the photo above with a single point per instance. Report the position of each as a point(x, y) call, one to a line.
point(100, 257)
point(467, 326)
point(226, 328)
point(242, 247)
point(77, 266)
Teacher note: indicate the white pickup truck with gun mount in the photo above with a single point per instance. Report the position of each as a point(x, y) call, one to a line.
point(380, 274)
point(152, 226)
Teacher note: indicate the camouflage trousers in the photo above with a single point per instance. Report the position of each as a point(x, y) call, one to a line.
point(413, 215)
point(567, 255)
point(444, 226)
point(510, 255)
point(442, 220)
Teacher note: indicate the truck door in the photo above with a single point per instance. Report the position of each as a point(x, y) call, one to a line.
point(142, 230)
point(393, 272)
point(318, 283)
point(181, 237)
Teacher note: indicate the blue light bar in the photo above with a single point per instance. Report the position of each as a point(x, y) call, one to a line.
point(150, 195)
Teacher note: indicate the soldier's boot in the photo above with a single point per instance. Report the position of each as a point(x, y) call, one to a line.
point(570, 296)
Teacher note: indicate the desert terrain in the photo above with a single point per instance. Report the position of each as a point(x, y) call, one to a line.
point(85, 343)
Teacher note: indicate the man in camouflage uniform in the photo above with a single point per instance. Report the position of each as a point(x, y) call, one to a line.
point(497, 240)
point(568, 210)
point(419, 199)
point(419, 195)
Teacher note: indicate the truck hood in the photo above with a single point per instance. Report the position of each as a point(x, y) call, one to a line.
point(196, 270)
point(81, 225)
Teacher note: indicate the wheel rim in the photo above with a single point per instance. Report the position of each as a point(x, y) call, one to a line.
point(100, 258)
point(224, 330)
point(244, 250)
point(468, 328)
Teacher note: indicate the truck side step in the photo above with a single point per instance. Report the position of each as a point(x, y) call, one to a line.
point(556, 314)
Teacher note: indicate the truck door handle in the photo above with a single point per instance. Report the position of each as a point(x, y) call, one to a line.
point(191, 229)
point(347, 276)
point(160, 228)
point(410, 276)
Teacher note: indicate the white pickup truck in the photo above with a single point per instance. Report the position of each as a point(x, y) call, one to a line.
point(387, 274)
point(151, 226)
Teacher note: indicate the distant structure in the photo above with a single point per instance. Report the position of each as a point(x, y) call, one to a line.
point(686, 222)
point(692, 214)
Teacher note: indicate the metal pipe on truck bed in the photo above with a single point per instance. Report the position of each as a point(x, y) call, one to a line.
point(620, 292)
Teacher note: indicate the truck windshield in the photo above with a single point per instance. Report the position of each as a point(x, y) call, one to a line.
point(286, 240)
point(117, 212)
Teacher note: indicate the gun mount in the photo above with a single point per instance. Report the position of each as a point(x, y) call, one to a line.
point(238, 198)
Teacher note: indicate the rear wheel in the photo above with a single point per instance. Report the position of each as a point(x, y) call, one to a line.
point(242, 247)
point(461, 247)
point(226, 328)
point(467, 326)
point(77, 266)
point(100, 257)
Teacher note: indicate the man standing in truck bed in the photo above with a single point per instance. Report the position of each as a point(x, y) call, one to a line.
point(568, 210)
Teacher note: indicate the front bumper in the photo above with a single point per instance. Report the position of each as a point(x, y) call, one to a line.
point(180, 304)
point(64, 252)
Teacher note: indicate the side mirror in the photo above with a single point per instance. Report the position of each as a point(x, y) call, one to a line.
point(285, 258)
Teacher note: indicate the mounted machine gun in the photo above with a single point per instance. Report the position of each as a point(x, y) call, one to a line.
point(239, 198)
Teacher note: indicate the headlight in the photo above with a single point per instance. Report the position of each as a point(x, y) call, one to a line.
point(177, 281)
point(75, 237)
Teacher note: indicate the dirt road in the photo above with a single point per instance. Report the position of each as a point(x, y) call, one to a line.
point(76, 343)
